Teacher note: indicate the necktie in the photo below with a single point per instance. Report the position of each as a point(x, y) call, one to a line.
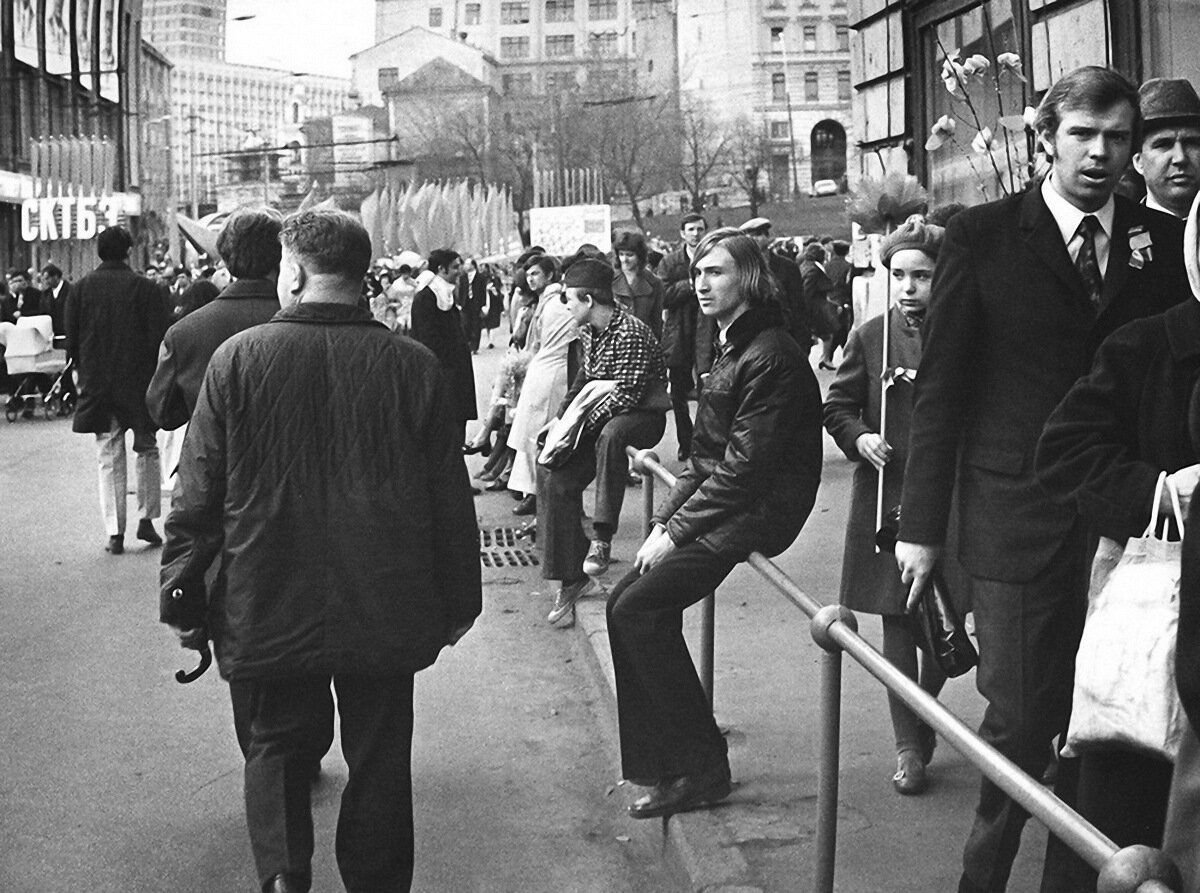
point(1086, 262)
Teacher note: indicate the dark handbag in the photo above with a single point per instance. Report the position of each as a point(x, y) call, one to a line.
point(936, 623)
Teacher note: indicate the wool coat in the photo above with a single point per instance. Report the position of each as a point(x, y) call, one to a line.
point(190, 343)
point(115, 323)
point(680, 310)
point(1009, 330)
point(323, 465)
point(442, 332)
point(642, 298)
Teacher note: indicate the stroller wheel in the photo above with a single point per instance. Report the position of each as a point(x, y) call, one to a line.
point(51, 406)
point(11, 411)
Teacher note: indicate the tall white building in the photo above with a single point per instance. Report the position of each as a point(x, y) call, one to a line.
point(217, 106)
point(785, 64)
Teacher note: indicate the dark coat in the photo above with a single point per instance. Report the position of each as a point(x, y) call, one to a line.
point(1124, 422)
point(818, 288)
point(679, 302)
point(190, 343)
point(870, 579)
point(29, 303)
point(756, 449)
point(57, 307)
point(115, 323)
point(442, 332)
point(1010, 329)
point(791, 298)
point(643, 299)
point(494, 289)
point(324, 469)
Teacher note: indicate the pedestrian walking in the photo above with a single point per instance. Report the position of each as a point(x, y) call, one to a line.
point(115, 322)
point(323, 466)
point(437, 323)
point(749, 487)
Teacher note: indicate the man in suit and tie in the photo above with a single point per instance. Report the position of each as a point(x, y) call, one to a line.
point(1025, 289)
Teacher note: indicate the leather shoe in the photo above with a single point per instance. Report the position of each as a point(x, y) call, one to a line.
point(147, 534)
point(829, 367)
point(683, 794)
point(286, 883)
point(910, 778)
point(116, 544)
point(684, 454)
point(527, 506)
point(471, 449)
point(497, 485)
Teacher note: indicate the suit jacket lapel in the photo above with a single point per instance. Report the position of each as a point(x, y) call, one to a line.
point(1118, 256)
point(1041, 234)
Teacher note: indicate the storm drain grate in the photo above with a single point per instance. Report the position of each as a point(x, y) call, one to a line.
point(501, 547)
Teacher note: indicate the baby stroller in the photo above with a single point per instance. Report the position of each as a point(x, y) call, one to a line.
point(31, 358)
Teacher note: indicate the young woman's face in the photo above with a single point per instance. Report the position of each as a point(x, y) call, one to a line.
point(629, 261)
point(912, 279)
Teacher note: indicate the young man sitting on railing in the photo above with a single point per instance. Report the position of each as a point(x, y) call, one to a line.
point(749, 487)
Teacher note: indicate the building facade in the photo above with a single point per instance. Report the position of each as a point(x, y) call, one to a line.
point(788, 74)
point(900, 51)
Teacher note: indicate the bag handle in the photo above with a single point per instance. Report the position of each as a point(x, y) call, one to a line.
point(1153, 528)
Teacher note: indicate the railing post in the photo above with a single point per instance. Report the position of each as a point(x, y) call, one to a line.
point(830, 724)
point(707, 639)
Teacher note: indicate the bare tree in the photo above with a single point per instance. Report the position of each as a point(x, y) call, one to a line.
point(705, 146)
point(749, 155)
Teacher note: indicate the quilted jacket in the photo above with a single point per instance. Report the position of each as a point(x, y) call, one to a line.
point(323, 466)
point(756, 448)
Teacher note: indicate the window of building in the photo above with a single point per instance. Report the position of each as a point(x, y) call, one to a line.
point(471, 14)
point(810, 38)
point(843, 85)
point(603, 80)
point(779, 87)
point(560, 10)
point(514, 47)
point(559, 45)
point(435, 17)
point(812, 86)
point(843, 37)
point(602, 10)
point(514, 12)
point(560, 81)
point(779, 130)
point(517, 83)
point(603, 43)
point(777, 39)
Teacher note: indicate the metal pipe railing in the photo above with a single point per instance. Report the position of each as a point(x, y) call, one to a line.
point(1135, 869)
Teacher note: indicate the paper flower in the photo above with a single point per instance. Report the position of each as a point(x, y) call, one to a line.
point(976, 64)
point(983, 142)
point(942, 130)
point(879, 206)
point(953, 73)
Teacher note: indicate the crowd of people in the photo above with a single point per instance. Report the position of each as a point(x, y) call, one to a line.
point(1038, 362)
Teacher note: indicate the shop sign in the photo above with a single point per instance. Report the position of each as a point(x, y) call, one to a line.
point(67, 217)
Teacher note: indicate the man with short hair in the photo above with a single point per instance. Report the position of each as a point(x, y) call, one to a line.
point(115, 321)
point(681, 318)
point(1169, 158)
point(618, 347)
point(249, 244)
point(27, 300)
point(1025, 289)
point(323, 466)
point(55, 296)
point(790, 292)
point(437, 323)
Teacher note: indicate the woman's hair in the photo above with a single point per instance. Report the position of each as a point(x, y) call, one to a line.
point(749, 263)
point(630, 241)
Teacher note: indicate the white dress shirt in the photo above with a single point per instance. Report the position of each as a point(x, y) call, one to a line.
point(1068, 217)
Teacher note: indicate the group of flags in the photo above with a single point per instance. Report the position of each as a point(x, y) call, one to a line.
point(473, 220)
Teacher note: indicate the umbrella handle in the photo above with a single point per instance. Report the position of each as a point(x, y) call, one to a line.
point(183, 677)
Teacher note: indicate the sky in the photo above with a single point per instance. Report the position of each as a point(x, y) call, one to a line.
point(312, 36)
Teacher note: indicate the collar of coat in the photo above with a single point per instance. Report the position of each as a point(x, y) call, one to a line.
point(248, 288)
point(326, 313)
point(748, 326)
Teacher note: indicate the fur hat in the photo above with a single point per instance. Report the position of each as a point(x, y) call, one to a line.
point(913, 233)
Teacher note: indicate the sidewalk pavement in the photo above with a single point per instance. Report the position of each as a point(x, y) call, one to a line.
point(766, 691)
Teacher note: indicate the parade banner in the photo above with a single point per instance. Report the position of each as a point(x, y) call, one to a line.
point(475, 221)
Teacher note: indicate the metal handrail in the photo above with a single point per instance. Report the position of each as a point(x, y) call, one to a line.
point(1134, 869)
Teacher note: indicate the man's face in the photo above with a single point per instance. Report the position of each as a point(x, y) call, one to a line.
point(450, 273)
point(1089, 150)
point(579, 304)
point(693, 232)
point(52, 280)
point(18, 283)
point(536, 278)
point(716, 284)
point(761, 237)
point(1170, 162)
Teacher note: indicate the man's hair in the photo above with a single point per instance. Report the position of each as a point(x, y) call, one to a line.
point(631, 241)
point(692, 218)
point(603, 296)
point(442, 257)
point(17, 271)
point(52, 269)
point(1092, 88)
point(114, 243)
point(548, 265)
point(249, 242)
point(754, 277)
point(328, 241)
